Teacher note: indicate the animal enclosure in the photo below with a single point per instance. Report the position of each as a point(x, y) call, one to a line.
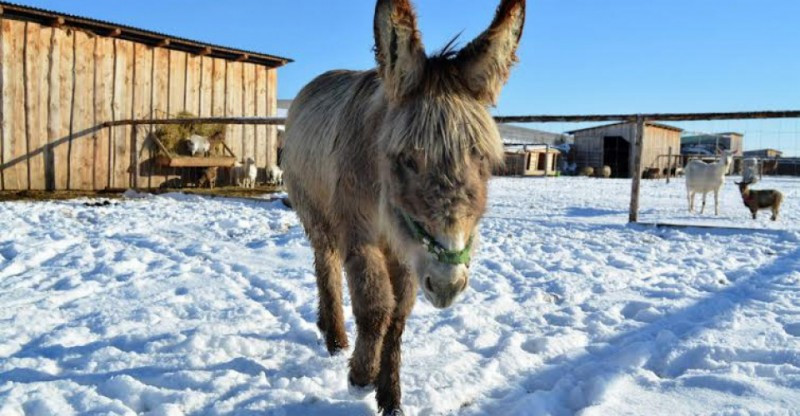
point(651, 143)
point(66, 81)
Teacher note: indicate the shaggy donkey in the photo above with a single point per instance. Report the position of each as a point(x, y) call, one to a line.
point(387, 170)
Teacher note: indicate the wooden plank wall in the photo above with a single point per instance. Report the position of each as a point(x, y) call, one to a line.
point(657, 142)
point(59, 84)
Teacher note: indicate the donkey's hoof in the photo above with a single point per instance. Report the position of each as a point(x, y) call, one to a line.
point(393, 412)
point(332, 344)
point(359, 391)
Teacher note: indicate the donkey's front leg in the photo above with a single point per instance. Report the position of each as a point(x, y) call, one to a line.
point(404, 286)
point(373, 303)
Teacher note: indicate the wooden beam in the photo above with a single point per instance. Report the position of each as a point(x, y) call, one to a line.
point(114, 32)
point(162, 43)
point(649, 117)
point(195, 162)
point(243, 57)
point(58, 22)
point(633, 212)
point(205, 51)
point(267, 121)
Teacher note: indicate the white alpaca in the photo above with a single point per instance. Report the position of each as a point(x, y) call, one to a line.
point(706, 177)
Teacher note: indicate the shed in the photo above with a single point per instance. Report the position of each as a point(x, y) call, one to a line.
point(511, 134)
point(64, 76)
point(763, 153)
point(707, 147)
point(614, 145)
point(530, 160)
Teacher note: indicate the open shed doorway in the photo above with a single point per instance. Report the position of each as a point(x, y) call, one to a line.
point(617, 154)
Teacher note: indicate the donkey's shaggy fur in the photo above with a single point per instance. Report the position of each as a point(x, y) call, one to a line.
point(410, 140)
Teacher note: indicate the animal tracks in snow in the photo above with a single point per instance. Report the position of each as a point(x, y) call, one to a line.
point(166, 305)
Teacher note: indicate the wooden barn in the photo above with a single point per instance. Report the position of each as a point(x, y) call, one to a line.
point(530, 161)
point(614, 145)
point(63, 76)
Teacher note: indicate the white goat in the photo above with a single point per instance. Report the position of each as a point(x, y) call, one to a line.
point(706, 177)
point(275, 175)
point(750, 170)
point(197, 144)
point(244, 175)
point(250, 171)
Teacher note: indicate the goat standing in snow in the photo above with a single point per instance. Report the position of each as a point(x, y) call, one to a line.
point(706, 177)
point(274, 175)
point(244, 175)
point(250, 171)
point(761, 199)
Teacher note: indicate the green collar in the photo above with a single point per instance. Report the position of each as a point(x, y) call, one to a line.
point(442, 254)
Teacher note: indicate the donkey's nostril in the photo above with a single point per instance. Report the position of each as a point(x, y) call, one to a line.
point(428, 285)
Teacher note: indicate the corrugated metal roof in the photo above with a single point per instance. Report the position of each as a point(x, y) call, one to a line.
point(104, 28)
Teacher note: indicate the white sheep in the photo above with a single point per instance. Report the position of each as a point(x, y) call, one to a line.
point(706, 177)
point(275, 175)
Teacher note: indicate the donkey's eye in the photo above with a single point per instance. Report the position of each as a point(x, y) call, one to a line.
point(409, 163)
point(476, 154)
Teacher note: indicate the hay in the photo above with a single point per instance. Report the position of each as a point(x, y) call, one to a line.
point(171, 135)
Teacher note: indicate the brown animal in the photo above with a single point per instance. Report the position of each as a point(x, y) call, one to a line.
point(209, 177)
point(760, 199)
point(387, 170)
point(651, 173)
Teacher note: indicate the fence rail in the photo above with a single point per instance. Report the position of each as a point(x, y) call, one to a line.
point(639, 121)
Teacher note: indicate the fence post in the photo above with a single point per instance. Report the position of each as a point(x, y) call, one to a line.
point(633, 213)
point(669, 163)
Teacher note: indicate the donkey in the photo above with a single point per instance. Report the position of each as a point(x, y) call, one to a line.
point(388, 170)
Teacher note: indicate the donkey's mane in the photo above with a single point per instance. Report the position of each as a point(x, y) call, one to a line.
point(446, 128)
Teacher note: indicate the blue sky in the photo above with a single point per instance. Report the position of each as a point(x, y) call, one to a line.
point(576, 56)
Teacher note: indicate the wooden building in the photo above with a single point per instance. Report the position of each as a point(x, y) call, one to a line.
point(763, 153)
point(63, 76)
point(530, 161)
point(516, 135)
point(702, 144)
point(614, 145)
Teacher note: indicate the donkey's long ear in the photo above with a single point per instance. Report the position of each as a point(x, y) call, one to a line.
point(485, 63)
point(398, 47)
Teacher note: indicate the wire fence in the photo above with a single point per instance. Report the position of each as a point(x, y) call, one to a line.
point(637, 146)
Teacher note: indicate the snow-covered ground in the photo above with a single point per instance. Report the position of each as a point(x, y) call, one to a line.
point(178, 304)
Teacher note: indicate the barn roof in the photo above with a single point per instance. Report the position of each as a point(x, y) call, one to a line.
point(522, 135)
point(649, 123)
point(104, 28)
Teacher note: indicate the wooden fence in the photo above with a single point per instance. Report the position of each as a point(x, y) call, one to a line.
point(61, 85)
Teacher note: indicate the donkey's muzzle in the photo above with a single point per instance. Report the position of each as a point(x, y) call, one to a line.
point(442, 289)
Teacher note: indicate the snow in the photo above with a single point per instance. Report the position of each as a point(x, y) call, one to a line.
point(179, 304)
